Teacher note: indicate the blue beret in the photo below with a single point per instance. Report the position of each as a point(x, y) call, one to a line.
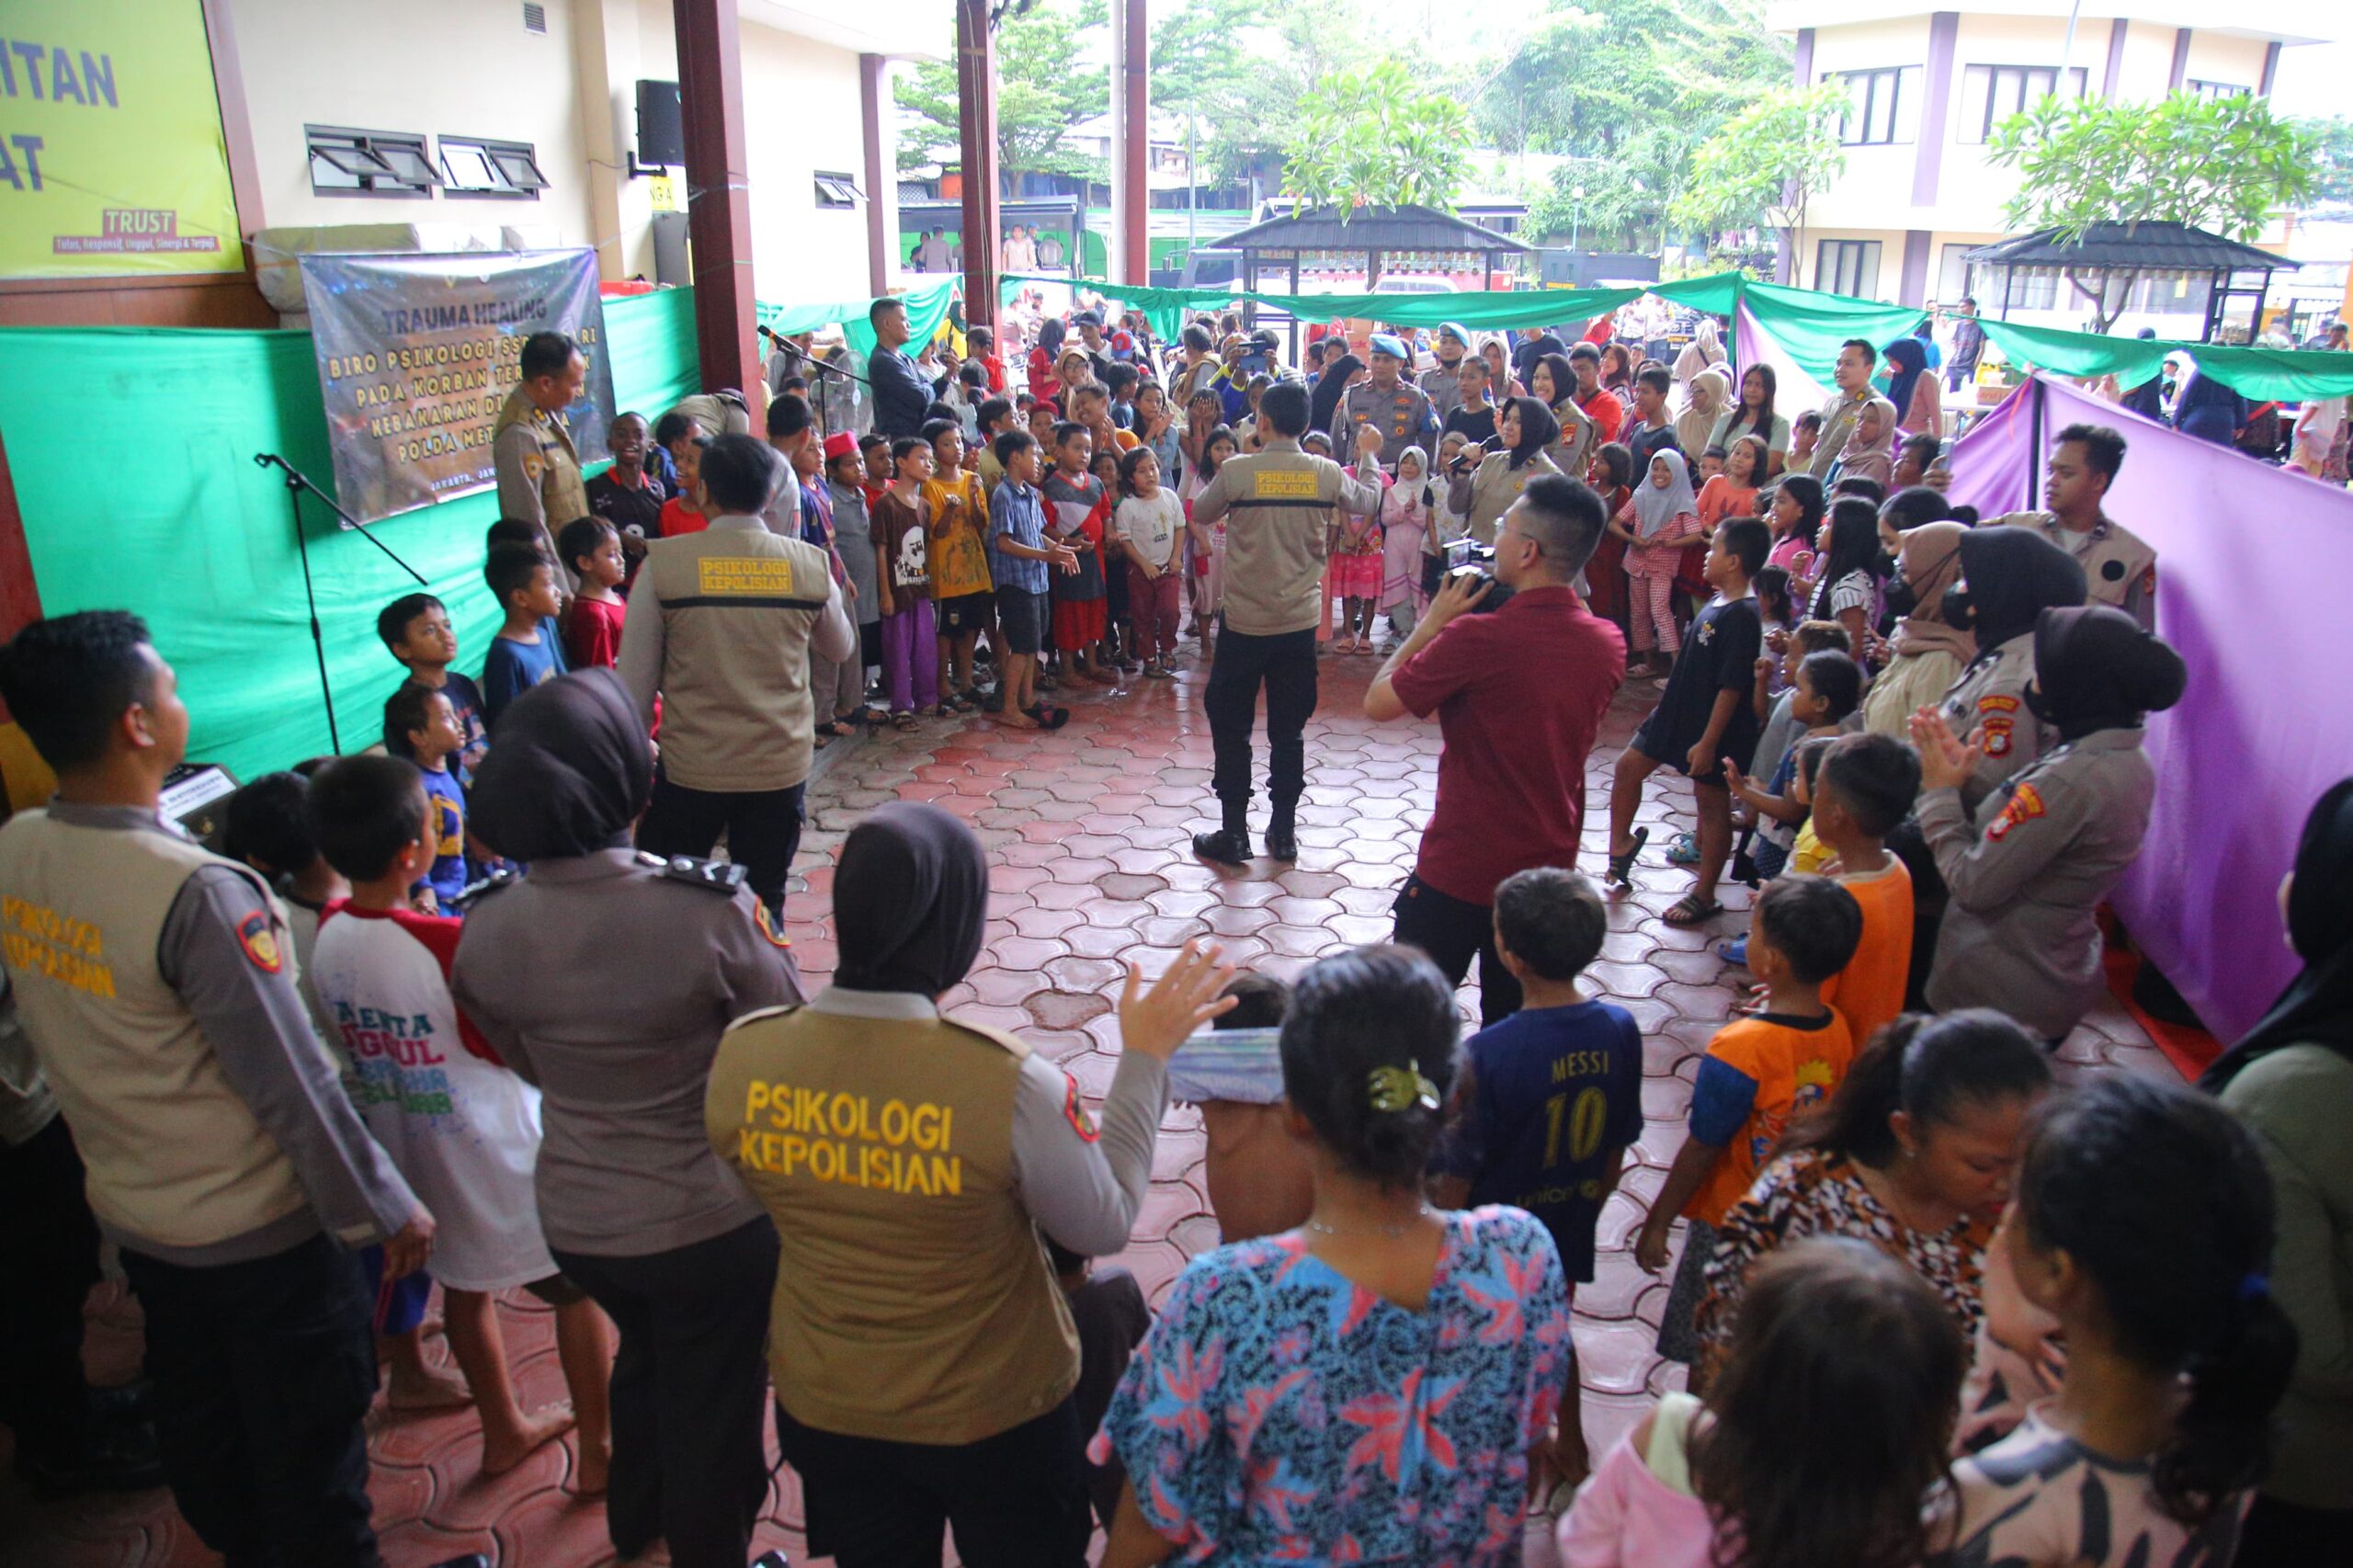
point(1385, 342)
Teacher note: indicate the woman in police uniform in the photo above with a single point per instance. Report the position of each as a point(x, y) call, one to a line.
point(922, 1355)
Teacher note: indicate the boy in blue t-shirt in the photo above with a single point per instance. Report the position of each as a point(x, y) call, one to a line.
point(528, 649)
point(416, 628)
point(421, 724)
point(1551, 1096)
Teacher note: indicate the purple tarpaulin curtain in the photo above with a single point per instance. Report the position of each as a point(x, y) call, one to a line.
point(2251, 565)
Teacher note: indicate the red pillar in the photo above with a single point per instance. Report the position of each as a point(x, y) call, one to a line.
point(976, 118)
point(1135, 120)
point(719, 199)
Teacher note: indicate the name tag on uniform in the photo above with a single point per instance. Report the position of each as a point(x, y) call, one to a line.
point(1283, 484)
point(763, 574)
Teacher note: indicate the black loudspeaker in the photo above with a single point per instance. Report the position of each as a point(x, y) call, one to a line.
point(661, 133)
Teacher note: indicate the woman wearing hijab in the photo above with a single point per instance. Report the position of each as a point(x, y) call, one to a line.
point(1502, 383)
point(1705, 350)
point(1911, 389)
point(1696, 426)
point(2209, 410)
point(1656, 525)
point(1553, 382)
point(2290, 1080)
point(1324, 401)
point(2008, 577)
point(2025, 873)
point(924, 1357)
point(1927, 653)
point(1870, 451)
point(607, 981)
point(1483, 495)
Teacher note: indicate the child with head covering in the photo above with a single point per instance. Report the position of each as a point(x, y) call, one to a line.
point(1927, 654)
point(1662, 517)
point(2063, 829)
point(1870, 453)
point(1407, 513)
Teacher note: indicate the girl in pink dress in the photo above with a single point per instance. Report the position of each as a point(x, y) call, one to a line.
point(1358, 564)
point(1407, 516)
point(1661, 518)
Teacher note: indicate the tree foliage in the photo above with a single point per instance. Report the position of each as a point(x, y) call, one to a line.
point(1585, 83)
point(1046, 82)
point(2217, 164)
point(1768, 161)
point(1245, 71)
point(2329, 142)
point(1374, 137)
point(1626, 198)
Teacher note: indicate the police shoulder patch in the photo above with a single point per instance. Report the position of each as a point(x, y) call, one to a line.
point(258, 934)
point(1997, 734)
point(1995, 703)
point(1075, 1111)
point(2025, 806)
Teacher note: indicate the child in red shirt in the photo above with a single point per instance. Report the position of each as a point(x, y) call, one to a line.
point(593, 635)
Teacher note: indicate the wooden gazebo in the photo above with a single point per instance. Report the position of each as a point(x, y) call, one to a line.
point(1277, 243)
point(2126, 250)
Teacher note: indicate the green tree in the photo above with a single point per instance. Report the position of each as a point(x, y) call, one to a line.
point(2330, 143)
point(1625, 200)
point(1768, 163)
point(1046, 82)
point(2218, 163)
point(1373, 137)
point(1245, 71)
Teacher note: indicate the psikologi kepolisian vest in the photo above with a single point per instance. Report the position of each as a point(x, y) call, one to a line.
point(174, 1155)
point(913, 1300)
point(738, 606)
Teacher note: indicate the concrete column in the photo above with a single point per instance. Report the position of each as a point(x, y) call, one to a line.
point(1132, 155)
point(606, 68)
point(976, 103)
point(2117, 30)
point(878, 122)
point(719, 196)
point(1928, 152)
point(2180, 60)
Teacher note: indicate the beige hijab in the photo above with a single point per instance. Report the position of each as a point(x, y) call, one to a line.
point(1870, 460)
point(1710, 390)
point(1930, 561)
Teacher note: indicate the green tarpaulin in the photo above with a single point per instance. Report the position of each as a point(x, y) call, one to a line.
point(2278, 375)
point(927, 307)
point(168, 516)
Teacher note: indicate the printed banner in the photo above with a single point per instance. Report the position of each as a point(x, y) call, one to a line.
point(418, 354)
point(112, 158)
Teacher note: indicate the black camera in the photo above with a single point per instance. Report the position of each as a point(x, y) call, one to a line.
point(1467, 558)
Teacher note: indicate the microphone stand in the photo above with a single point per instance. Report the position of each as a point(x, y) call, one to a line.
point(805, 357)
point(297, 482)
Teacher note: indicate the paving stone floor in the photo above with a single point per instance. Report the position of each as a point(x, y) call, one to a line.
point(1088, 832)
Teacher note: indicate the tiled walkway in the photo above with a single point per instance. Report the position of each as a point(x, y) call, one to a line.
point(1087, 835)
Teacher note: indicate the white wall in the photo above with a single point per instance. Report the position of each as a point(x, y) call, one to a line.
point(801, 114)
point(458, 67)
point(1879, 176)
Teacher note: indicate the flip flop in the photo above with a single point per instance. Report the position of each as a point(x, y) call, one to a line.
point(1689, 911)
point(1684, 850)
point(1621, 867)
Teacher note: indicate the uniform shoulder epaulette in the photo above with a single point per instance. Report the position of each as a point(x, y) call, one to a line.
point(713, 876)
point(1012, 1044)
point(782, 1009)
point(473, 893)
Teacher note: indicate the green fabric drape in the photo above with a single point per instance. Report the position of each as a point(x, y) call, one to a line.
point(169, 517)
point(2280, 375)
point(927, 307)
point(1494, 309)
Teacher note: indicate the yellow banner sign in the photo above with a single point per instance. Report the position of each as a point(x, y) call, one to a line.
point(111, 158)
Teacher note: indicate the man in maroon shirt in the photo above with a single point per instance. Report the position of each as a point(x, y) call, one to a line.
point(1519, 695)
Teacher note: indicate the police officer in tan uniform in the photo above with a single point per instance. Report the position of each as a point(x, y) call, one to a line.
point(924, 1360)
point(157, 984)
point(1277, 502)
point(2119, 569)
point(721, 624)
point(538, 470)
point(2008, 577)
point(1386, 401)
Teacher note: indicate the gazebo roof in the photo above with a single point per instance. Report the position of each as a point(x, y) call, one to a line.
point(1370, 228)
point(2149, 244)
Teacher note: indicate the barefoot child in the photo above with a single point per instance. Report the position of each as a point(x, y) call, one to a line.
point(1150, 526)
point(1019, 559)
point(1704, 716)
point(463, 1130)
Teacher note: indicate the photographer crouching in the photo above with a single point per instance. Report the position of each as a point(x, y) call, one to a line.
point(1519, 695)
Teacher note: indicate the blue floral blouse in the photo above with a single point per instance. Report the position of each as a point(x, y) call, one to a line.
point(1278, 1412)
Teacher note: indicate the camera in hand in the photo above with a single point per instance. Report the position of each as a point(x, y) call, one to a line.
point(1468, 558)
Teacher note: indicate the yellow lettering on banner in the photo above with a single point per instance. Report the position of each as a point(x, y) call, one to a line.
point(759, 574)
point(1284, 484)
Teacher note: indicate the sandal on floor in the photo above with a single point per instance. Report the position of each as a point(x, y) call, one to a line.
point(837, 727)
point(904, 721)
point(1689, 911)
point(1684, 850)
point(869, 716)
point(1621, 867)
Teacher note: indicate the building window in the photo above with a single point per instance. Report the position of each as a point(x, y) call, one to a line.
point(837, 191)
point(2171, 293)
point(1884, 105)
point(1952, 272)
point(1847, 267)
point(1991, 94)
point(2216, 89)
point(470, 167)
point(2030, 287)
point(368, 163)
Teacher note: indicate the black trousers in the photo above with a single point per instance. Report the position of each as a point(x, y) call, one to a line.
point(689, 1392)
point(1016, 1500)
point(1453, 933)
point(263, 1373)
point(49, 1260)
point(1285, 664)
point(763, 828)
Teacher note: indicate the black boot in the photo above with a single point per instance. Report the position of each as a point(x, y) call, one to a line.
point(1225, 846)
point(1282, 838)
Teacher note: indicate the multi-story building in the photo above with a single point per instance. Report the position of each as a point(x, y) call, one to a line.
point(1928, 85)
